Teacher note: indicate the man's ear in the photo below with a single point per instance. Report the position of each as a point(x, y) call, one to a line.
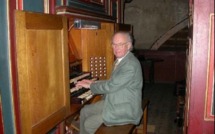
point(129, 46)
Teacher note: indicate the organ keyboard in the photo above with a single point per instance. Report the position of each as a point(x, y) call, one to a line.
point(80, 95)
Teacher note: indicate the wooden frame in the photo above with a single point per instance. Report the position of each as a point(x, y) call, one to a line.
point(100, 2)
point(49, 6)
point(115, 9)
point(99, 10)
point(95, 6)
point(209, 101)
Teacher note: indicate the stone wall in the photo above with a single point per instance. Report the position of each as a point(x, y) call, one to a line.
point(152, 18)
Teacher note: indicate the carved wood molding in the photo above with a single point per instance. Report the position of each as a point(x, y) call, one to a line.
point(79, 13)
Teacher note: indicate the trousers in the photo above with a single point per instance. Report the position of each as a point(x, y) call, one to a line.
point(91, 117)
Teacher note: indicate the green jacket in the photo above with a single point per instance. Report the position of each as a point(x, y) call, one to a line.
point(123, 93)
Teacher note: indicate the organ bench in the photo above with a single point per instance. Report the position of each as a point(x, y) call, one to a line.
point(129, 128)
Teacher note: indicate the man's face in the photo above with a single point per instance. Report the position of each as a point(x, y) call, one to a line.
point(120, 45)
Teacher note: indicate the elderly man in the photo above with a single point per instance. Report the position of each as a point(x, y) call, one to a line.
point(122, 92)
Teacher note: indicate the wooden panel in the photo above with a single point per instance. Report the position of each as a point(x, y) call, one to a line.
point(170, 70)
point(42, 61)
point(94, 48)
point(95, 55)
point(209, 98)
point(109, 51)
point(74, 45)
point(198, 69)
point(43, 22)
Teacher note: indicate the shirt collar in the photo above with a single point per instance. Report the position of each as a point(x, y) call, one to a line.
point(119, 59)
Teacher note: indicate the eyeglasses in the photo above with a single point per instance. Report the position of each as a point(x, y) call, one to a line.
point(120, 45)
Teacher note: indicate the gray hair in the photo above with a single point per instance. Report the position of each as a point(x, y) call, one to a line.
point(128, 36)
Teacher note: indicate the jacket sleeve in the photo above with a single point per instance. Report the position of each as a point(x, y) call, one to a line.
point(118, 81)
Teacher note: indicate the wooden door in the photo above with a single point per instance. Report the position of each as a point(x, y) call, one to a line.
point(43, 75)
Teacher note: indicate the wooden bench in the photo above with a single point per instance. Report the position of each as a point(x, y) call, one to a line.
point(129, 128)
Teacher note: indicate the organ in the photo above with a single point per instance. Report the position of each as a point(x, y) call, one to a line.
point(51, 53)
point(44, 67)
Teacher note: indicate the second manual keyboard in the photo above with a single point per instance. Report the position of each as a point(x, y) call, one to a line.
point(81, 96)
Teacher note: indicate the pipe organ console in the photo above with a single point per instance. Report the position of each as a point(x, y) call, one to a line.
point(43, 67)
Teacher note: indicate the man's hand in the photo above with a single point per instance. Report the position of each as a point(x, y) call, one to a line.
point(84, 83)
